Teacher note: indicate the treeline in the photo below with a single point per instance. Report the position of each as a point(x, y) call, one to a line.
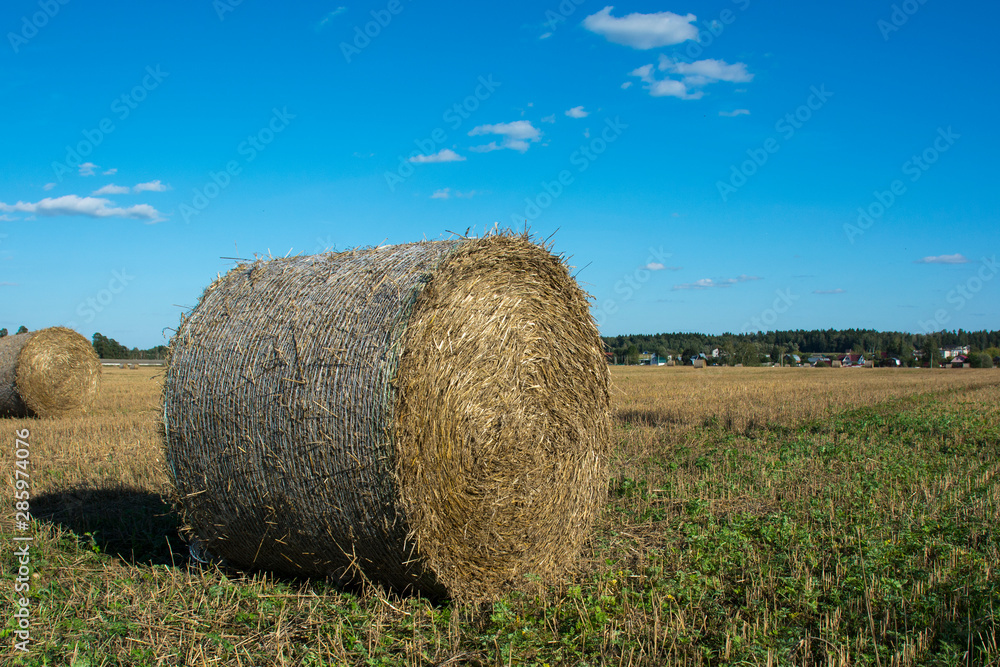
point(109, 348)
point(626, 349)
point(21, 330)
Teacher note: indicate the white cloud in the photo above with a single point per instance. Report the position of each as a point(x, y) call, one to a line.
point(112, 189)
point(93, 207)
point(110, 172)
point(545, 35)
point(329, 17)
point(957, 258)
point(48, 186)
point(642, 31)
point(443, 155)
point(694, 75)
point(701, 72)
point(663, 87)
point(87, 169)
point(671, 88)
point(657, 266)
point(516, 136)
point(447, 193)
point(706, 283)
point(549, 119)
point(735, 112)
point(626, 85)
point(829, 291)
point(151, 186)
point(577, 112)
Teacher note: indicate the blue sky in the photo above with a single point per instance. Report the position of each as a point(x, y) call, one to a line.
point(704, 164)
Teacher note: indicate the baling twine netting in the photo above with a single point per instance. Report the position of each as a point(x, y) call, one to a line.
point(51, 372)
point(431, 416)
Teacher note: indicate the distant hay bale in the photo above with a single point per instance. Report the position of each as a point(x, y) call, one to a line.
point(433, 416)
point(122, 366)
point(47, 373)
point(836, 363)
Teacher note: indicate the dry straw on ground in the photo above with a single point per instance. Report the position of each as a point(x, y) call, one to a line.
point(47, 373)
point(431, 416)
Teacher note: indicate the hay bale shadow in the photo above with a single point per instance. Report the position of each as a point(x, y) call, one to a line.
point(131, 524)
point(646, 417)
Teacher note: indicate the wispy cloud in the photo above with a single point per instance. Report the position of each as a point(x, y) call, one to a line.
point(517, 136)
point(443, 155)
point(6, 284)
point(957, 258)
point(549, 119)
point(693, 77)
point(93, 207)
point(830, 291)
point(87, 169)
point(448, 193)
point(112, 189)
point(701, 72)
point(735, 112)
point(708, 283)
point(657, 266)
point(110, 172)
point(642, 31)
point(329, 17)
point(151, 186)
point(577, 112)
point(48, 186)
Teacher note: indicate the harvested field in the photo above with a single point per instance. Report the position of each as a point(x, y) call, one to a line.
point(748, 398)
point(813, 538)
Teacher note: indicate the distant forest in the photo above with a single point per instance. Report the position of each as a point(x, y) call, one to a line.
point(109, 348)
point(736, 348)
point(740, 348)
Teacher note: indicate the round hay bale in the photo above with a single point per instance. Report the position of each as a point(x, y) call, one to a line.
point(432, 417)
point(47, 373)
